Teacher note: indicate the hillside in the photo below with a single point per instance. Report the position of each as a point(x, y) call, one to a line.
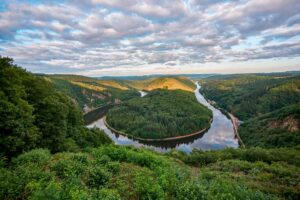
point(280, 128)
point(35, 115)
point(170, 83)
point(160, 114)
point(91, 93)
point(268, 105)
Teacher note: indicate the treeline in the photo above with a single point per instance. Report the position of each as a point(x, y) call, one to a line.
point(250, 96)
point(34, 115)
point(268, 105)
point(160, 114)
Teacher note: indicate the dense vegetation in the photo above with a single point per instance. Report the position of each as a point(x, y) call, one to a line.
point(268, 105)
point(160, 114)
point(114, 172)
point(64, 163)
point(91, 93)
point(275, 129)
point(170, 83)
point(34, 115)
point(251, 95)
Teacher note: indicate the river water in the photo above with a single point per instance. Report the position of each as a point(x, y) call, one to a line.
point(219, 136)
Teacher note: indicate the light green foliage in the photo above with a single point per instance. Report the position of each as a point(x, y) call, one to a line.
point(274, 171)
point(143, 174)
point(160, 114)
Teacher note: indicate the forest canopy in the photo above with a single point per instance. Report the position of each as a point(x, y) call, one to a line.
point(268, 105)
point(160, 114)
point(34, 115)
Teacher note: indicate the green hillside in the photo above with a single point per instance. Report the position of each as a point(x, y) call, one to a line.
point(279, 128)
point(268, 105)
point(35, 115)
point(170, 83)
point(91, 93)
point(160, 114)
point(251, 95)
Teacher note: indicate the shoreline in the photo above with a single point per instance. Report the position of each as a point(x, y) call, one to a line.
point(155, 140)
point(235, 128)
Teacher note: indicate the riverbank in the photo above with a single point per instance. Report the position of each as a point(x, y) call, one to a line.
point(235, 124)
point(155, 140)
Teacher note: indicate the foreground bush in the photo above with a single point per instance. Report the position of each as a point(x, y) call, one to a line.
point(113, 172)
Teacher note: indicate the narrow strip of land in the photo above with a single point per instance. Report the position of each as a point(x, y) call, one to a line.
point(235, 123)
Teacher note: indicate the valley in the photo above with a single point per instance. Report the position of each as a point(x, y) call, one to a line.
point(48, 152)
point(219, 135)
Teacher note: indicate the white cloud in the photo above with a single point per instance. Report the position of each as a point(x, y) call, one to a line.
point(106, 34)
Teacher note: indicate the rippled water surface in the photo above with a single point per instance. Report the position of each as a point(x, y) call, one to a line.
point(219, 136)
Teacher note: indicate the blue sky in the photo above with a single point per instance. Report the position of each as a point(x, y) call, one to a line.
point(137, 37)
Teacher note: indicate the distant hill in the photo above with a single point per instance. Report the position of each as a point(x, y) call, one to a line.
point(91, 93)
point(170, 83)
point(192, 76)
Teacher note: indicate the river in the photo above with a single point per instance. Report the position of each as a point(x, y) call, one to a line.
point(219, 136)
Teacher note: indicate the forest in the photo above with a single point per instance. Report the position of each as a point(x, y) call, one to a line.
point(46, 153)
point(91, 93)
point(160, 114)
point(35, 115)
point(268, 106)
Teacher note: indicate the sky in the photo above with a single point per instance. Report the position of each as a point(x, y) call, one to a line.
point(139, 37)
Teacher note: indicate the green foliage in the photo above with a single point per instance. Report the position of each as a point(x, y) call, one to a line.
point(274, 171)
point(17, 129)
point(160, 114)
point(144, 174)
point(250, 95)
point(269, 105)
point(218, 188)
point(87, 96)
point(276, 129)
point(202, 158)
point(34, 115)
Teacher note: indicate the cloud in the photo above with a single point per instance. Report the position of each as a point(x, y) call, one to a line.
point(81, 36)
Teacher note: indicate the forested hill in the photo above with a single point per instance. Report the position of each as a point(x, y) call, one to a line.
point(34, 115)
point(268, 105)
point(170, 83)
point(160, 114)
point(91, 93)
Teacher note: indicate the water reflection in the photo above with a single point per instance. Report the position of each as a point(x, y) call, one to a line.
point(143, 93)
point(219, 136)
